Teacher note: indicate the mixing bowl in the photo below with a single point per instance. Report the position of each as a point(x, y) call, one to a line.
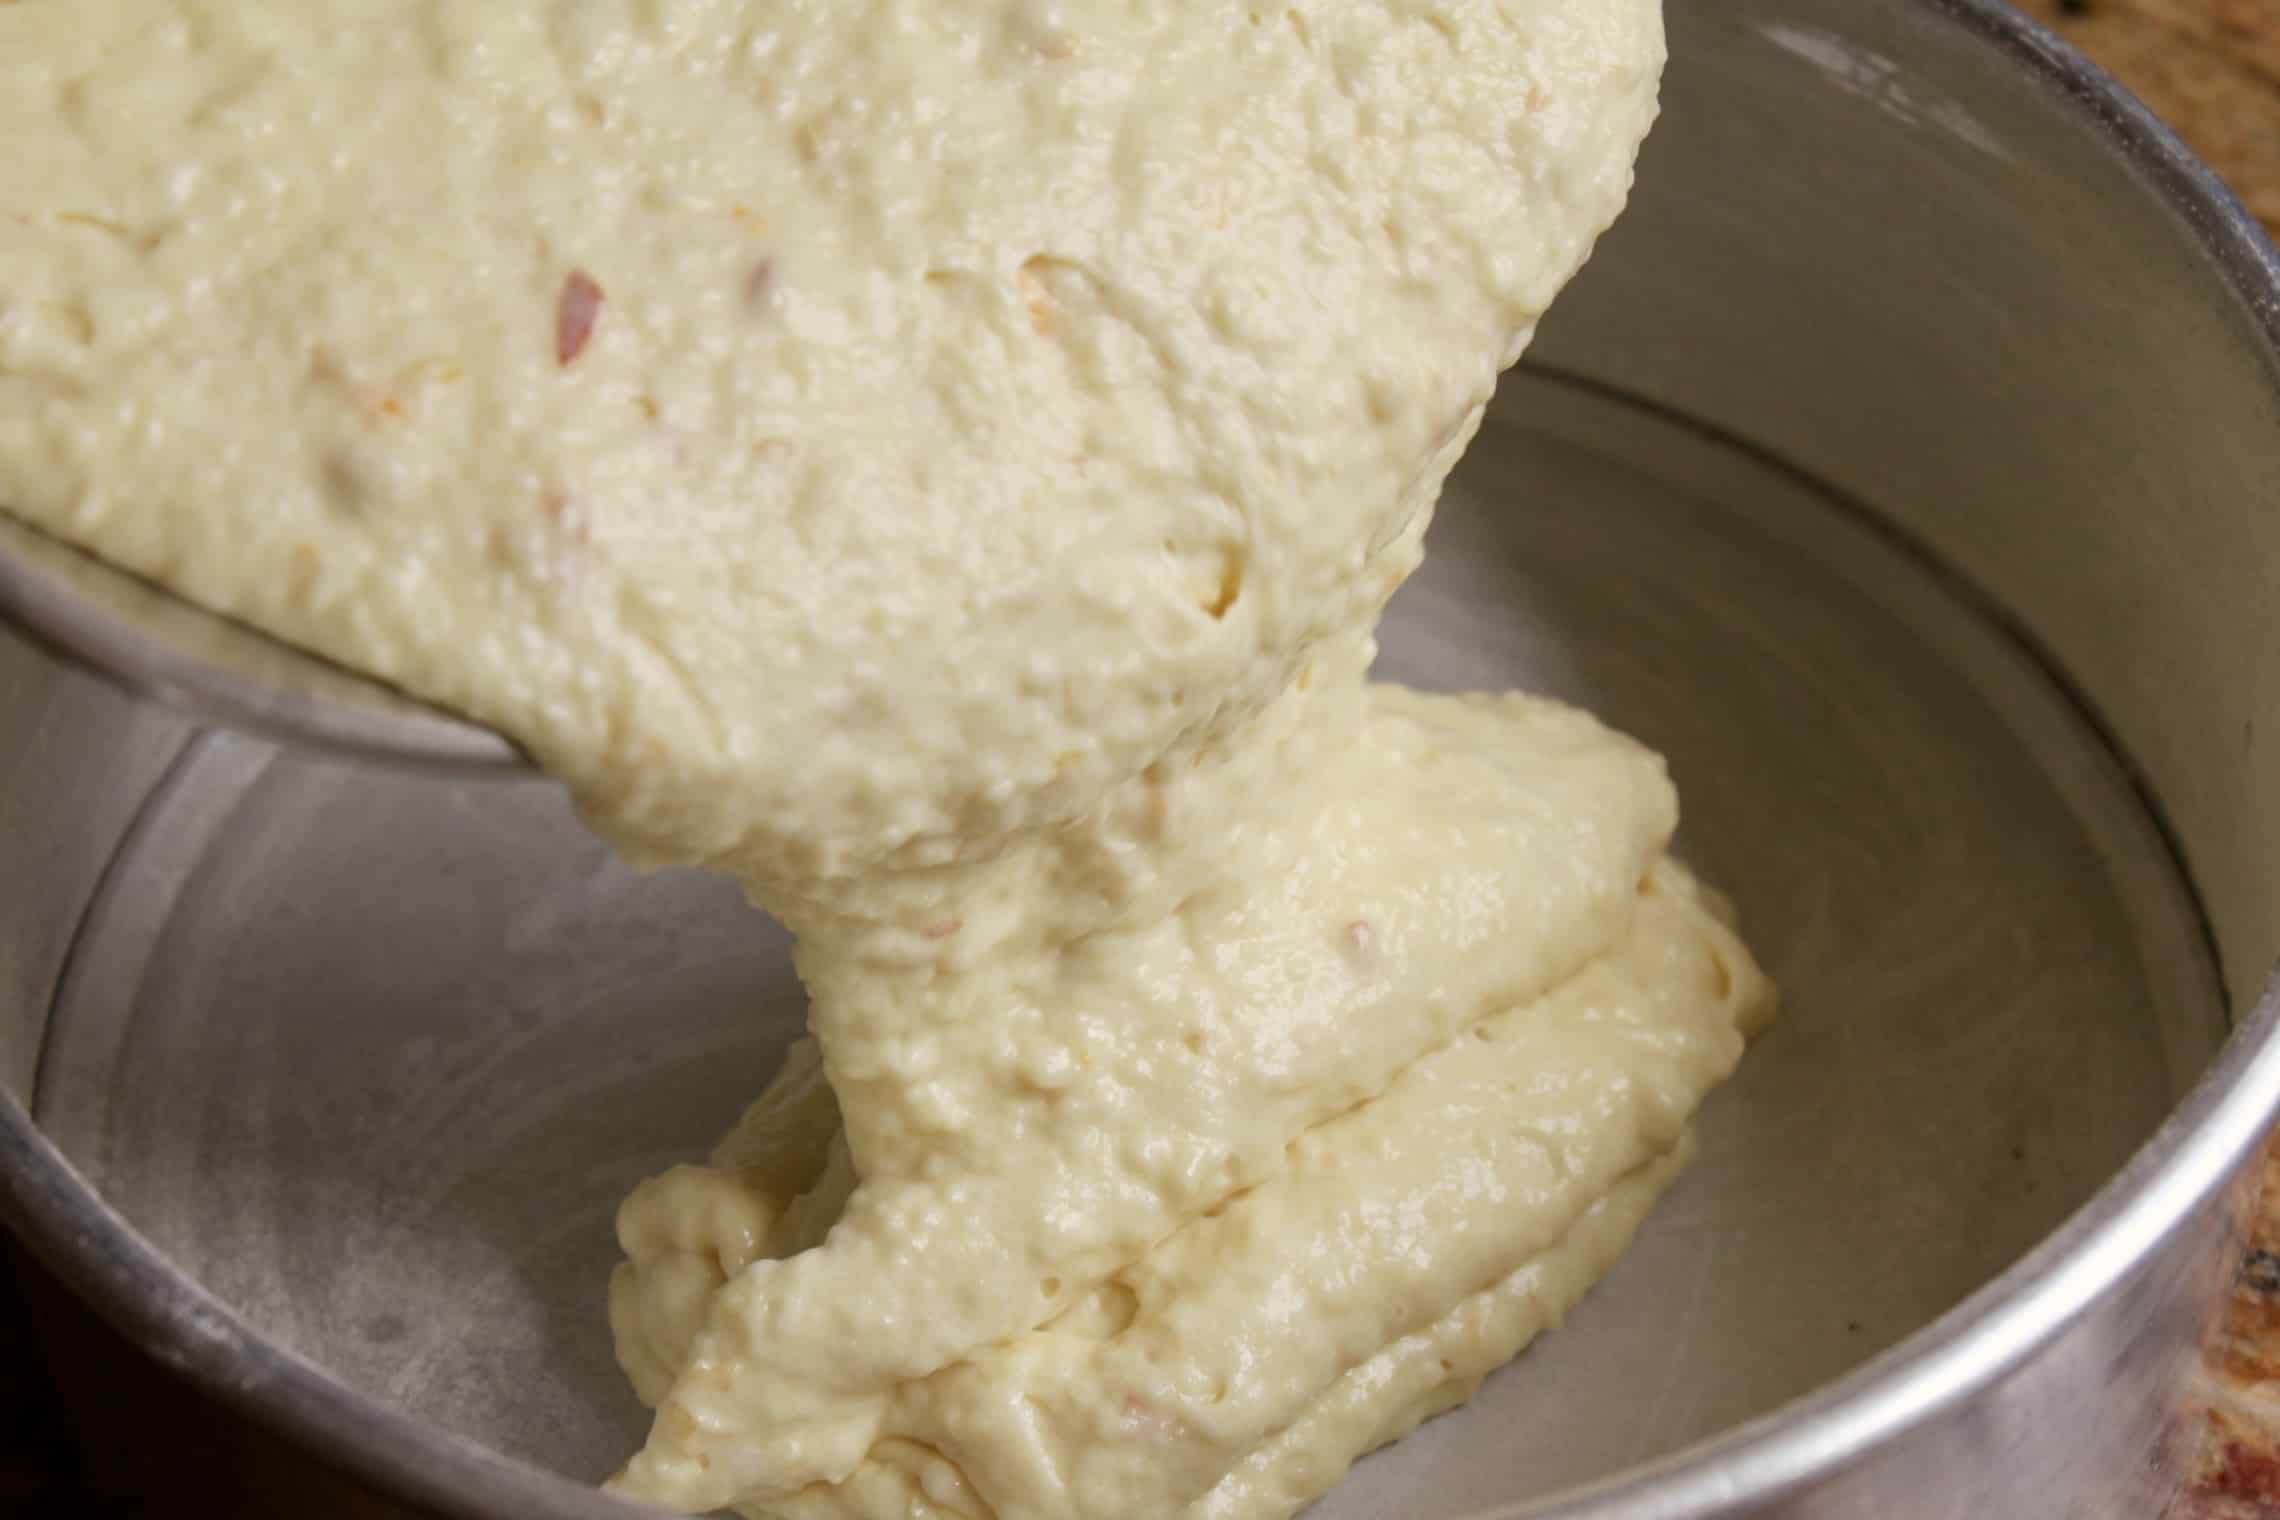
point(1905, 467)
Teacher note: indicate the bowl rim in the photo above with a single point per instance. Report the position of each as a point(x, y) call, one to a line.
point(2178, 1170)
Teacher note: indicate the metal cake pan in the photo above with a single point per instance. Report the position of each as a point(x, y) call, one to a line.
point(1905, 467)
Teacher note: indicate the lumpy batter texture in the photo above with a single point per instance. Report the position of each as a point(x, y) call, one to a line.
point(942, 461)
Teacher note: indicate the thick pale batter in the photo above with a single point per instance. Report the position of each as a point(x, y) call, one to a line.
point(941, 460)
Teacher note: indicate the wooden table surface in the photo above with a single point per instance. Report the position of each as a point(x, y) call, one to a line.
point(69, 1388)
